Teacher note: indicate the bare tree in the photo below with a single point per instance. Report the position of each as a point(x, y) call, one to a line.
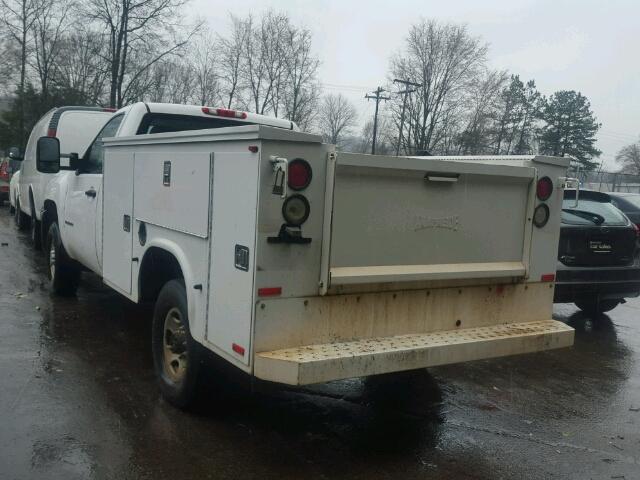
point(18, 18)
point(264, 60)
point(231, 51)
point(385, 139)
point(480, 108)
point(140, 33)
point(204, 62)
point(300, 94)
point(337, 117)
point(50, 24)
point(277, 67)
point(81, 67)
point(168, 81)
point(629, 157)
point(7, 66)
point(443, 58)
point(514, 124)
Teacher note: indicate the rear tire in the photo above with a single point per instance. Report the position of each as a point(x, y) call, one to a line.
point(21, 219)
point(176, 355)
point(64, 274)
point(596, 306)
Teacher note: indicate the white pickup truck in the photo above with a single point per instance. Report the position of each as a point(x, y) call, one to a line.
point(300, 265)
point(73, 198)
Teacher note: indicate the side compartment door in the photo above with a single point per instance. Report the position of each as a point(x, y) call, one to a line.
point(118, 220)
point(232, 268)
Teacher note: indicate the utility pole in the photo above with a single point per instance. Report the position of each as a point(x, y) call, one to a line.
point(406, 93)
point(377, 96)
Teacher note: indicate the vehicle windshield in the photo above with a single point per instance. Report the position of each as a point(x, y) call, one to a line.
point(163, 123)
point(590, 212)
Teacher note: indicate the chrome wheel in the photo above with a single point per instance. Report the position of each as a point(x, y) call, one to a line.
point(52, 260)
point(176, 359)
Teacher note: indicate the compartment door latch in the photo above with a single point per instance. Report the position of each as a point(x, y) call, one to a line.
point(280, 169)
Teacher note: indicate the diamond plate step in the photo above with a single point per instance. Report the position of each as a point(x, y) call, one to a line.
point(332, 361)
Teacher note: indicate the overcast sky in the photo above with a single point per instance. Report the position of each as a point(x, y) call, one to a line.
point(589, 46)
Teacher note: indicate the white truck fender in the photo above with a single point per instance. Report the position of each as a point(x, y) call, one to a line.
point(176, 250)
point(55, 192)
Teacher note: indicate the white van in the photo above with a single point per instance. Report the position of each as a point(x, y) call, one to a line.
point(75, 127)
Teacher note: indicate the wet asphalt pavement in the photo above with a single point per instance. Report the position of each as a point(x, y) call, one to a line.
point(78, 400)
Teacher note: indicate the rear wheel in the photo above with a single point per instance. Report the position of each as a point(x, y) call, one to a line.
point(176, 355)
point(596, 306)
point(64, 274)
point(21, 219)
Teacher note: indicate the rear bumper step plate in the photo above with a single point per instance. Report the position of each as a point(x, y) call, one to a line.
point(333, 361)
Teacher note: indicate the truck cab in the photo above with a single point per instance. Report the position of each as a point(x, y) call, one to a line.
point(74, 197)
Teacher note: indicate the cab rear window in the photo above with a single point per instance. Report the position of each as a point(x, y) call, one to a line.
point(575, 215)
point(164, 123)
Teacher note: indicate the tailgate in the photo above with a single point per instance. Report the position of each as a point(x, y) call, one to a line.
point(397, 219)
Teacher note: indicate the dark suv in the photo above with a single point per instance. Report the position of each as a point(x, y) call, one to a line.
point(629, 203)
point(598, 265)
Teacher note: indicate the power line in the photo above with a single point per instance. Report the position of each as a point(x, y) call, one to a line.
point(377, 96)
point(406, 93)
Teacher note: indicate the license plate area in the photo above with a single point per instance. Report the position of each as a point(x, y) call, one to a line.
point(600, 246)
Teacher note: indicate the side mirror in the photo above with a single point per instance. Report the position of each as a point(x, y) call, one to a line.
point(48, 155)
point(14, 154)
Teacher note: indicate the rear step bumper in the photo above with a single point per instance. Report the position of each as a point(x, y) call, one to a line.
point(333, 361)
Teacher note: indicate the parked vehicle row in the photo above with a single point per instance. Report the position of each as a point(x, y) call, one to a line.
point(5, 177)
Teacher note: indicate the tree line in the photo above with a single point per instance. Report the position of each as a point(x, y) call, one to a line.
point(115, 52)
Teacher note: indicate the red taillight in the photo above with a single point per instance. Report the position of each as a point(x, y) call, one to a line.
point(299, 174)
point(51, 132)
point(107, 109)
point(238, 349)
point(224, 112)
point(544, 189)
point(4, 171)
point(636, 227)
point(269, 291)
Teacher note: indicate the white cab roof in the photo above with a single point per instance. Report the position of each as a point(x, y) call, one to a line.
point(196, 110)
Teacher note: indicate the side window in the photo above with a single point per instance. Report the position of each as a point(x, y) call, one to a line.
point(95, 154)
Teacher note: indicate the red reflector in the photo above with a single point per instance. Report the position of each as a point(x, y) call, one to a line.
point(269, 291)
point(544, 188)
point(548, 277)
point(253, 148)
point(238, 349)
point(108, 109)
point(299, 174)
point(51, 132)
